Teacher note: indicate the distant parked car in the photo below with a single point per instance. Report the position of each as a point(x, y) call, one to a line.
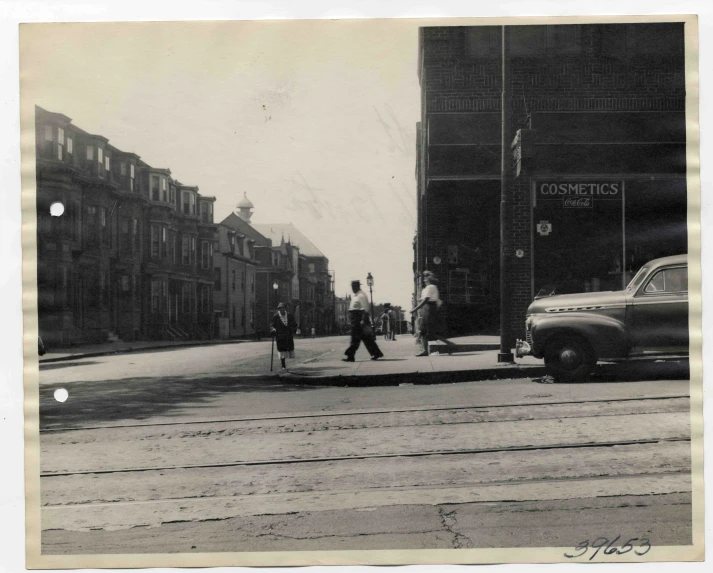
point(647, 320)
point(40, 347)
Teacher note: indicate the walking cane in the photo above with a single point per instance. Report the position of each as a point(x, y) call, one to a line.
point(272, 352)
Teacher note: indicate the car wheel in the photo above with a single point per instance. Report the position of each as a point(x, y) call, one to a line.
point(569, 359)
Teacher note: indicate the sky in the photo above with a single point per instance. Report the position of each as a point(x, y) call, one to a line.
point(314, 120)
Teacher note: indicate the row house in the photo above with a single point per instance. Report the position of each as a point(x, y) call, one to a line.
point(315, 301)
point(234, 286)
point(131, 257)
point(289, 269)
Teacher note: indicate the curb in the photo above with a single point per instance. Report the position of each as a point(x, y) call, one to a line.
point(130, 350)
point(414, 378)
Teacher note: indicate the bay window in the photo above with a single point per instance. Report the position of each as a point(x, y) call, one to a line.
point(154, 188)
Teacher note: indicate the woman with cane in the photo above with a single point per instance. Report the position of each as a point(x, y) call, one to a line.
point(282, 327)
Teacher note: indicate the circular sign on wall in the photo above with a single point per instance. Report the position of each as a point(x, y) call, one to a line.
point(436, 260)
point(519, 253)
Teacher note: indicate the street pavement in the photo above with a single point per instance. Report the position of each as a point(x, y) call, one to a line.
point(196, 450)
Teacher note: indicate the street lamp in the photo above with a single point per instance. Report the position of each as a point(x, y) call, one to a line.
point(275, 286)
point(370, 283)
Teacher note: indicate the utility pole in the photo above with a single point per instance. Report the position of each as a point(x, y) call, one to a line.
point(505, 354)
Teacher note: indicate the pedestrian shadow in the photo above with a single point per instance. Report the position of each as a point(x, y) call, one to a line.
point(101, 401)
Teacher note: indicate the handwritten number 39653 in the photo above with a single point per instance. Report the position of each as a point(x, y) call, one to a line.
point(643, 547)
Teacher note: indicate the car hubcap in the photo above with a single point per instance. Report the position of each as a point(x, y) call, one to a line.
point(569, 358)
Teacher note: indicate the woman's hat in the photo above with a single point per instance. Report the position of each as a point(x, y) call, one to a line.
point(282, 305)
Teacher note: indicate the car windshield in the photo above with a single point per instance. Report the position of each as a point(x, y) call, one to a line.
point(638, 278)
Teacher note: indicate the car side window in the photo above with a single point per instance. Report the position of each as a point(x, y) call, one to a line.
point(668, 281)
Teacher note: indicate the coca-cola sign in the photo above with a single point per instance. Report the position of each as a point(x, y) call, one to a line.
point(577, 202)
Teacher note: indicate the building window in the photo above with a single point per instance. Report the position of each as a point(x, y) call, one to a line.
point(186, 297)
point(482, 41)
point(217, 279)
point(233, 280)
point(122, 169)
point(90, 153)
point(172, 246)
point(193, 251)
point(564, 40)
point(185, 249)
point(172, 195)
point(206, 212)
point(204, 254)
point(107, 162)
point(527, 41)
point(186, 203)
point(155, 286)
point(125, 239)
point(100, 160)
point(132, 173)
point(135, 233)
point(154, 188)
point(660, 39)
point(164, 196)
point(49, 135)
point(164, 243)
point(70, 146)
point(60, 143)
point(155, 230)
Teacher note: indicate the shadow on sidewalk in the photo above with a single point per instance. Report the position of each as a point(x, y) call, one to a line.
point(139, 398)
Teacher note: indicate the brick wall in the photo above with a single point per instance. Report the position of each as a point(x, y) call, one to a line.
point(596, 79)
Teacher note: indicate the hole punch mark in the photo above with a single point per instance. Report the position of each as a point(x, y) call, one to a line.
point(56, 209)
point(61, 395)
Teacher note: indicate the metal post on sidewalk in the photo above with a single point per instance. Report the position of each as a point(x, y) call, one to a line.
point(272, 352)
point(505, 354)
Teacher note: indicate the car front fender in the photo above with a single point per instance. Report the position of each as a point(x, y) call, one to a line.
point(607, 335)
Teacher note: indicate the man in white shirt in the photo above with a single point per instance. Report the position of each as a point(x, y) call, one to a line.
point(359, 316)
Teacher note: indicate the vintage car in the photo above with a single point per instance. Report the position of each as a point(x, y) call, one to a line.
point(647, 320)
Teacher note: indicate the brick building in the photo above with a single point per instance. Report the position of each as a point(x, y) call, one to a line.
point(597, 165)
point(314, 304)
point(235, 285)
point(131, 257)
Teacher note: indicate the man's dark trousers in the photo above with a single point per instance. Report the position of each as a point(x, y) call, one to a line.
point(355, 317)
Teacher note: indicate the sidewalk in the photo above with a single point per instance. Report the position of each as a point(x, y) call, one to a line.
point(90, 350)
point(401, 365)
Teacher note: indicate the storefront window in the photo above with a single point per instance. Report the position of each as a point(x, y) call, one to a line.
point(595, 235)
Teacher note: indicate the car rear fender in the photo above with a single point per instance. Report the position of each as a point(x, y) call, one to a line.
point(606, 335)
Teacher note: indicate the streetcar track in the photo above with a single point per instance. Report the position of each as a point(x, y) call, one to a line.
point(472, 451)
point(357, 413)
point(524, 481)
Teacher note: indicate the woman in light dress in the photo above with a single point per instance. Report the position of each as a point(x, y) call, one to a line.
point(429, 307)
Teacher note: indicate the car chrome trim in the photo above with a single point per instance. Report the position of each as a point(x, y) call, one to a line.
point(643, 302)
point(581, 308)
